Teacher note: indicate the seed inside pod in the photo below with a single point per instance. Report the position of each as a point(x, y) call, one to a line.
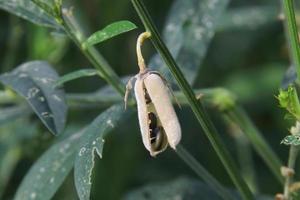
point(146, 95)
point(157, 135)
point(158, 121)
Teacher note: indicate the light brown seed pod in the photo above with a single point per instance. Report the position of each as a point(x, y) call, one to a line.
point(160, 97)
point(157, 119)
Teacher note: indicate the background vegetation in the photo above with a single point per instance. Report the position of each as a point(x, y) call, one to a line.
point(243, 48)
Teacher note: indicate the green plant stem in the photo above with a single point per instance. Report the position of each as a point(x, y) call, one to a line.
point(73, 30)
point(291, 165)
point(196, 106)
point(98, 99)
point(245, 157)
point(12, 43)
point(202, 172)
point(291, 26)
point(238, 116)
point(244, 153)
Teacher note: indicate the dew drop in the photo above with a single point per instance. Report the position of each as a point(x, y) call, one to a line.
point(52, 180)
point(33, 195)
point(42, 169)
point(46, 114)
point(22, 75)
point(109, 122)
point(32, 92)
point(82, 151)
point(57, 98)
point(41, 99)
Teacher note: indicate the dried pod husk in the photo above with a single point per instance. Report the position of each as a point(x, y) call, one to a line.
point(157, 119)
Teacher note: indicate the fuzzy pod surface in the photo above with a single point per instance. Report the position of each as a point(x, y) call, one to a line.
point(157, 118)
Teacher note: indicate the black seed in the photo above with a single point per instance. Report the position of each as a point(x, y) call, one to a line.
point(152, 134)
point(152, 140)
point(158, 139)
point(152, 121)
point(147, 97)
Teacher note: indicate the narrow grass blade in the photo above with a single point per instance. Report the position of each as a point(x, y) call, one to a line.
point(75, 75)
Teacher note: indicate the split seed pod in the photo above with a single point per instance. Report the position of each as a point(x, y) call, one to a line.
point(157, 119)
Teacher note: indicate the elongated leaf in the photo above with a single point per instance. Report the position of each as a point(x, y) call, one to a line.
point(75, 75)
point(93, 142)
point(291, 140)
point(12, 137)
point(34, 81)
point(9, 156)
point(248, 18)
point(109, 31)
point(49, 172)
point(13, 113)
point(188, 31)
point(29, 11)
point(181, 188)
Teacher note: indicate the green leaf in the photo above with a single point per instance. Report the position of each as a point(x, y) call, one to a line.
point(93, 143)
point(180, 188)
point(12, 137)
point(45, 6)
point(291, 140)
point(108, 32)
point(75, 75)
point(13, 113)
point(188, 31)
point(48, 173)
point(29, 11)
point(289, 100)
point(9, 157)
point(248, 17)
point(34, 81)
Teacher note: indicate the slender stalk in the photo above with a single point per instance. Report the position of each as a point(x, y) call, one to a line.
point(12, 43)
point(196, 106)
point(291, 165)
point(244, 153)
point(245, 157)
point(72, 28)
point(202, 172)
point(77, 99)
point(291, 26)
point(239, 116)
point(141, 62)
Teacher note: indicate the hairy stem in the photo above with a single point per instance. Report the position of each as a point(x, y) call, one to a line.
point(291, 165)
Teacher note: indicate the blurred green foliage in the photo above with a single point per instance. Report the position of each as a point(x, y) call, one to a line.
point(249, 60)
